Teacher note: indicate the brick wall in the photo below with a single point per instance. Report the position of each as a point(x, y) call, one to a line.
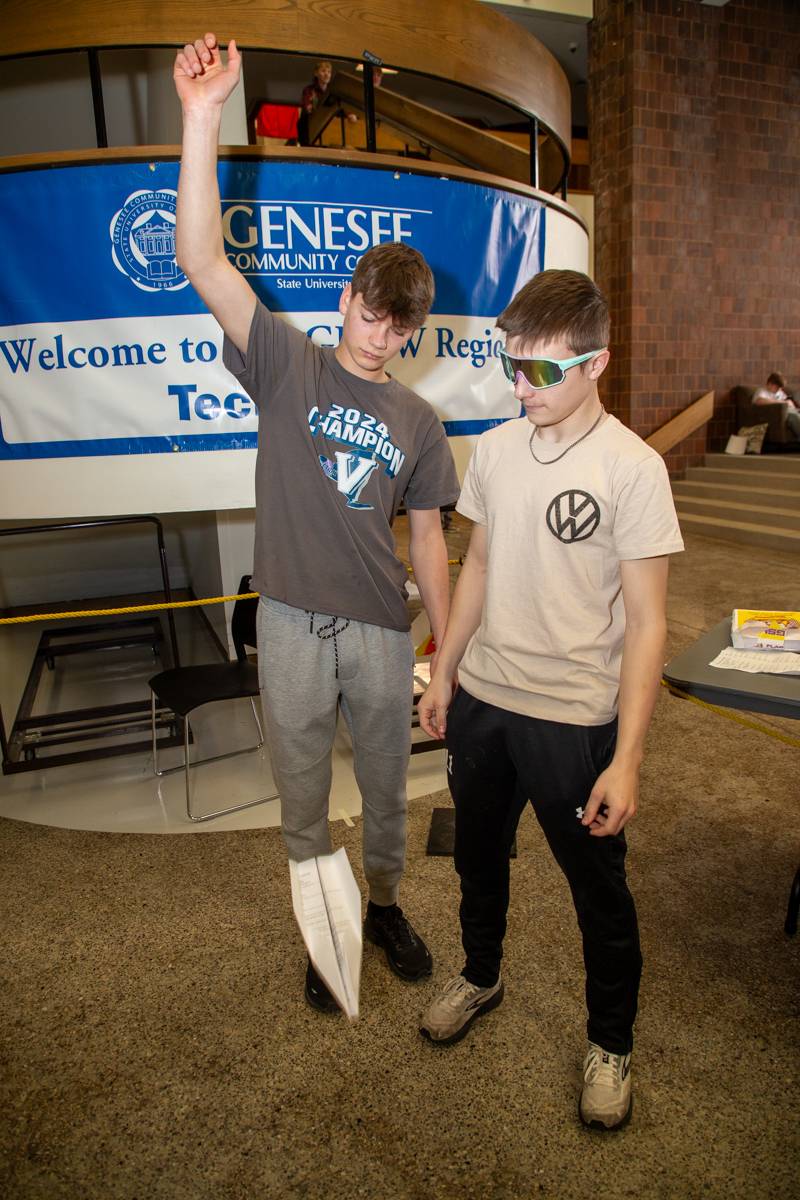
point(611, 127)
point(695, 144)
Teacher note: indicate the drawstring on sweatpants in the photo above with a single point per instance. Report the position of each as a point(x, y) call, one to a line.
point(329, 631)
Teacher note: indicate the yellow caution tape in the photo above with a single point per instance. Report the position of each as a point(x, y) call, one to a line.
point(451, 562)
point(732, 716)
point(131, 608)
point(136, 608)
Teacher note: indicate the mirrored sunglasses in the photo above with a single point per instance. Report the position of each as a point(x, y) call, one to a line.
point(541, 372)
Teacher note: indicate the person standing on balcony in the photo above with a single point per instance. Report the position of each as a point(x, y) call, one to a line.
point(314, 94)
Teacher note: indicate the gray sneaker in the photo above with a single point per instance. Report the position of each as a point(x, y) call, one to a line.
point(449, 1017)
point(606, 1100)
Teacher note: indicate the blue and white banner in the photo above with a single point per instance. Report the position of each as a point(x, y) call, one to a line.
point(105, 348)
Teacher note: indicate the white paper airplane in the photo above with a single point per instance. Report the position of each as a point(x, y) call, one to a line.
point(327, 905)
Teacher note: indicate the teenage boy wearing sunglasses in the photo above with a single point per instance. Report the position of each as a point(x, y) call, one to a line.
point(557, 631)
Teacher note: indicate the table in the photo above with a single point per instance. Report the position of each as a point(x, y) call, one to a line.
point(776, 695)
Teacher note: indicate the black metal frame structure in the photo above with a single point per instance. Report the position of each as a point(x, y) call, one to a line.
point(30, 736)
point(536, 126)
point(370, 61)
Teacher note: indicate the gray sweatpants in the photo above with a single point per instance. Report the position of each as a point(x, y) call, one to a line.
point(308, 665)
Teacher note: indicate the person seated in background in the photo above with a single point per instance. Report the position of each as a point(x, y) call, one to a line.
point(775, 392)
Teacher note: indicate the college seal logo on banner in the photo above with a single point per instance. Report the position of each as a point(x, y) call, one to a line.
point(143, 241)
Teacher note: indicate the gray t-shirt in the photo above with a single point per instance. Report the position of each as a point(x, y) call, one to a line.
point(336, 457)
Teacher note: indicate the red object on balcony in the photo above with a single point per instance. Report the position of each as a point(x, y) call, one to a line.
point(277, 121)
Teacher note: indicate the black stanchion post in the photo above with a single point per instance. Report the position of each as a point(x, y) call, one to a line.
point(534, 132)
point(97, 100)
point(370, 61)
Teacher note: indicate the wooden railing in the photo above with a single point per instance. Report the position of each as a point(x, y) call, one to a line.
point(324, 154)
point(471, 147)
point(682, 426)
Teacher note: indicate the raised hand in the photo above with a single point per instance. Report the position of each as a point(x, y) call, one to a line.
point(201, 79)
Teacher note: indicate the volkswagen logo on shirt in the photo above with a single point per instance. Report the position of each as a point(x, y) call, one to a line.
point(573, 516)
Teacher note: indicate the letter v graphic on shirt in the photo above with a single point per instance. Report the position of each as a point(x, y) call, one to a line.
point(352, 473)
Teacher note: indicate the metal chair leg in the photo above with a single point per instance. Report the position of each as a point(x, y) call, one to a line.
point(218, 757)
point(154, 735)
point(185, 766)
point(258, 723)
point(153, 731)
point(220, 812)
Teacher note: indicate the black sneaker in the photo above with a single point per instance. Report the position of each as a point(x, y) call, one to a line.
point(317, 993)
point(406, 953)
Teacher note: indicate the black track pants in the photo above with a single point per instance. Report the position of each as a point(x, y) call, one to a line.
point(497, 762)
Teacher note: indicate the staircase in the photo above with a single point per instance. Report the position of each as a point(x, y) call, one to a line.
point(750, 498)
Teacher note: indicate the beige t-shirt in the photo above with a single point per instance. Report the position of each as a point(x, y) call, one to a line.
point(550, 640)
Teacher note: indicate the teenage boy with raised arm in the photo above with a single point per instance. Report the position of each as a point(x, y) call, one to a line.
point(557, 632)
point(332, 625)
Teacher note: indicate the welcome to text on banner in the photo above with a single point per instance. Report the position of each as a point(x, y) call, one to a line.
point(106, 351)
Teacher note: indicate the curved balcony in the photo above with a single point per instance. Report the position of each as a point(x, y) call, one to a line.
point(106, 352)
point(457, 55)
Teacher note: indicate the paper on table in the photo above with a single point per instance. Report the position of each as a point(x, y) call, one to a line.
point(756, 662)
point(422, 675)
point(327, 905)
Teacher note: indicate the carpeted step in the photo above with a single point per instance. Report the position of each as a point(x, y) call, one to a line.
point(780, 464)
point(771, 536)
point(756, 514)
point(784, 481)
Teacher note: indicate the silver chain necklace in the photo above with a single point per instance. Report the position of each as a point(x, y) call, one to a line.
point(549, 462)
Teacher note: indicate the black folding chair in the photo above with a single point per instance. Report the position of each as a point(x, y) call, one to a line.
point(183, 689)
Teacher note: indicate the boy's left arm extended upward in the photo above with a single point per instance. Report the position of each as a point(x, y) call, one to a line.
point(428, 554)
point(644, 592)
